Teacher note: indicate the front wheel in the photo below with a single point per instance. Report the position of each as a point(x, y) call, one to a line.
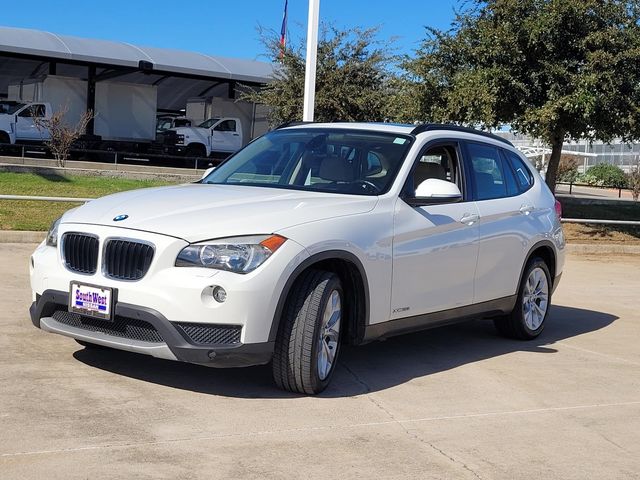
point(527, 319)
point(308, 341)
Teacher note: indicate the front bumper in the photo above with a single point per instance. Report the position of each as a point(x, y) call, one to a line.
point(144, 330)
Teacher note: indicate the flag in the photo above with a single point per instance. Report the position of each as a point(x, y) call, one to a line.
point(283, 30)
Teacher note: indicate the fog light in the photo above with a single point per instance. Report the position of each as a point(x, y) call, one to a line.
point(219, 294)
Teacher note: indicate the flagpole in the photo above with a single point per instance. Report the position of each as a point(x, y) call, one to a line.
point(283, 31)
point(312, 54)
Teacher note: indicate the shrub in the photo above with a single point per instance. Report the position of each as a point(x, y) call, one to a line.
point(568, 168)
point(605, 175)
point(633, 180)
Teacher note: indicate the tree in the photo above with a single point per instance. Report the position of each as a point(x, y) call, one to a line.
point(352, 78)
point(62, 135)
point(553, 69)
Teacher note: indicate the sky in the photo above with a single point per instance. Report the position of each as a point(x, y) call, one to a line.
point(224, 28)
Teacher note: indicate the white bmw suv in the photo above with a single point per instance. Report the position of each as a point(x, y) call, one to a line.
point(312, 236)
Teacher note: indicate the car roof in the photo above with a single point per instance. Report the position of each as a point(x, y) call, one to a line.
point(398, 128)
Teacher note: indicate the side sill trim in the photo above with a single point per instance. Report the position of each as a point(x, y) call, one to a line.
point(399, 326)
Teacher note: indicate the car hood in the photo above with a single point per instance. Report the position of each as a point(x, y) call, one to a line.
point(197, 212)
point(187, 130)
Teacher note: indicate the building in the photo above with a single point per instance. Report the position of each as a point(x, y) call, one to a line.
point(189, 83)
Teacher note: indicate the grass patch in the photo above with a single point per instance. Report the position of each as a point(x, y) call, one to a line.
point(38, 216)
point(32, 216)
point(55, 185)
point(585, 233)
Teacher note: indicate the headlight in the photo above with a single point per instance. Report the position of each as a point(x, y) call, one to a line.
point(52, 235)
point(239, 254)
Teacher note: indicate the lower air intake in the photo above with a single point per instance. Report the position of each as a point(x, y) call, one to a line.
point(122, 327)
point(207, 334)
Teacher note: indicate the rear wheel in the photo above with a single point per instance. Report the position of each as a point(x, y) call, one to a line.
point(308, 342)
point(527, 319)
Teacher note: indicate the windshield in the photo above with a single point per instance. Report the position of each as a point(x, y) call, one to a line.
point(208, 123)
point(325, 160)
point(10, 108)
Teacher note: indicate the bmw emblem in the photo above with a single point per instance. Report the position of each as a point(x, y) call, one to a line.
point(119, 218)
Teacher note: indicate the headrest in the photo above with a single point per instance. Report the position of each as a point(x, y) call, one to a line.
point(426, 170)
point(337, 169)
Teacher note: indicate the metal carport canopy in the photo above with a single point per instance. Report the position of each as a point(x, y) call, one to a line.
point(36, 43)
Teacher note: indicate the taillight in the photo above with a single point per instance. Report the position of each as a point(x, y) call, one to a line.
point(558, 209)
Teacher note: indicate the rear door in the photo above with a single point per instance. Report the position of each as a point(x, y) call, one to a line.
point(435, 247)
point(505, 226)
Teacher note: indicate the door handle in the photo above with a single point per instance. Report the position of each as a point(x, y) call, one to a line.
point(526, 209)
point(236, 134)
point(469, 218)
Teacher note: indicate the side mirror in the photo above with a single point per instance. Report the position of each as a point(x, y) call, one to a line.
point(207, 172)
point(434, 191)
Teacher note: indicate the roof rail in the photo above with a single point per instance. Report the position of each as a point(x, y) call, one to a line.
point(291, 123)
point(429, 127)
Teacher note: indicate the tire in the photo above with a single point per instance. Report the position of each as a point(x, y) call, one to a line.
point(309, 333)
point(91, 346)
point(196, 150)
point(527, 320)
point(4, 138)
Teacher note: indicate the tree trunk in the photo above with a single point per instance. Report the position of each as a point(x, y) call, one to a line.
point(554, 161)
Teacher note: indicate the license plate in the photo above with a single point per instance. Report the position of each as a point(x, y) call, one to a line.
point(91, 300)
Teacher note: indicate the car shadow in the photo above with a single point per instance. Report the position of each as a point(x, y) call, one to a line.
point(368, 368)
point(51, 175)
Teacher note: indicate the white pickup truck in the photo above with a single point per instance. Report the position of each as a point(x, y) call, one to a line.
point(17, 124)
point(212, 136)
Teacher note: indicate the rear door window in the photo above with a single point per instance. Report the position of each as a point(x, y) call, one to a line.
point(487, 171)
point(524, 179)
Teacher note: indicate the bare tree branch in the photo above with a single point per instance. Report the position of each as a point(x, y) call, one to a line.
point(62, 135)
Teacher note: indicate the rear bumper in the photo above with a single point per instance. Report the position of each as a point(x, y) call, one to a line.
point(163, 339)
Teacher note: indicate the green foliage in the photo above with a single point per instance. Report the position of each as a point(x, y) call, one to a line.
point(605, 175)
point(553, 69)
point(352, 77)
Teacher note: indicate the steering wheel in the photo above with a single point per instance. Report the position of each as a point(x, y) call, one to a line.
point(367, 185)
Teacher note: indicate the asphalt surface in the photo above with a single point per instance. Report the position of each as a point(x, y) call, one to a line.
point(595, 193)
point(457, 402)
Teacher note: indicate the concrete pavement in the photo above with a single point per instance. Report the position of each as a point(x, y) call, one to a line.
point(457, 402)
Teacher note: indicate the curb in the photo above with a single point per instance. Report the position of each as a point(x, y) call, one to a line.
point(602, 249)
point(15, 236)
point(169, 174)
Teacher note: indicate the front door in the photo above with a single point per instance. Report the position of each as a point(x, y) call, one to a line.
point(435, 247)
point(26, 128)
point(225, 136)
